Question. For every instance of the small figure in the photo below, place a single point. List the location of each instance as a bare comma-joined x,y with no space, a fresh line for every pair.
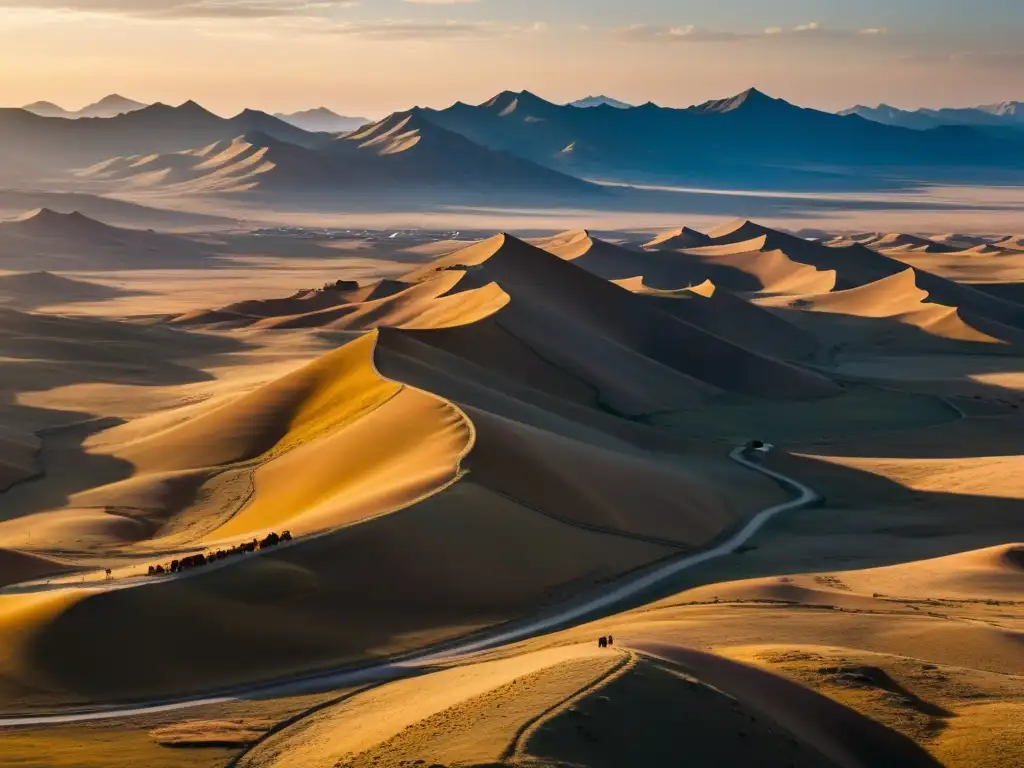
611,640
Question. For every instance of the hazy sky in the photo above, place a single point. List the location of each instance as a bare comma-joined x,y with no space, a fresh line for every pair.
374,56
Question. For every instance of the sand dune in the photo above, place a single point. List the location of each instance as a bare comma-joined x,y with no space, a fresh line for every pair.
43,352
1012,242
380,718
889,296
913,243
424,305
753,266
900,298
45,239
614,262
541,285
961,240
857,265
679,239
597,486
731,317
530,708
503,428
979,250
45,222
992,573
996,572
27,290
16,567
439,302
364,469
18,456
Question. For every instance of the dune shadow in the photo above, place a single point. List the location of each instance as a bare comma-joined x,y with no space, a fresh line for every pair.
66,467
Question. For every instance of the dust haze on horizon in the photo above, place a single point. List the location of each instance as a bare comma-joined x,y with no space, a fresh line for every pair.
358,58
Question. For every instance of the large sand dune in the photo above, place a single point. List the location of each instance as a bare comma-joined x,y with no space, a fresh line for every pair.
679,239
732,317
900,299
28,290
45,239
540,285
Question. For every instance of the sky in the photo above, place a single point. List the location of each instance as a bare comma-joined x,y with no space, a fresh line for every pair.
372,57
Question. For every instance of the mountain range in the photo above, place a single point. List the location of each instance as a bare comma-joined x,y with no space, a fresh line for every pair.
402,156
1005,114
109,106
600,101
509,144
750,139
322,120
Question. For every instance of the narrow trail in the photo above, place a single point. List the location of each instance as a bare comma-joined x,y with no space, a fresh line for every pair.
516,749
581,609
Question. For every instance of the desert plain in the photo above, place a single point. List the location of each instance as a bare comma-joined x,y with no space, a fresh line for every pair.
416,465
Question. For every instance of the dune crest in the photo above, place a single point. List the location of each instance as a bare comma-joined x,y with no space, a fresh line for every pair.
679,239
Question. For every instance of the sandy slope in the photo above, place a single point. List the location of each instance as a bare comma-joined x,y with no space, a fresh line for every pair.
900,299
679,239
731,317
544,287
755,265
398,717
575,705
18,452
31,290
1013,242
224,166
45,239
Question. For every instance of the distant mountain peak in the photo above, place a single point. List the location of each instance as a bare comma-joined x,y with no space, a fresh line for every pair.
600,101
322,119
751,98
116,99
1004,108
508,102
315,112
196,108
42,105
47,220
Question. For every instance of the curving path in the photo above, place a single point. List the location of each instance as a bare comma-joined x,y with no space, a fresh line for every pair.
584,608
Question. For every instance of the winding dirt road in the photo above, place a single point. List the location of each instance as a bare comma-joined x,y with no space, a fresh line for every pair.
584,608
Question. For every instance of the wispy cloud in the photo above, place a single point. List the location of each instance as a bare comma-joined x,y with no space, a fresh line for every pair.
400,29
411,30
691,33
190,9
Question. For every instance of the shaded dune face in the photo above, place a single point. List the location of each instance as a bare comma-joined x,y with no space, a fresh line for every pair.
45,239
537,282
